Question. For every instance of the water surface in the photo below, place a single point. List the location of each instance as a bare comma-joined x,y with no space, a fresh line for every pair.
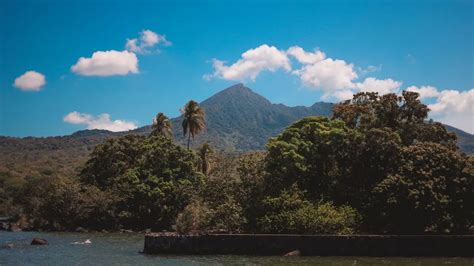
124,249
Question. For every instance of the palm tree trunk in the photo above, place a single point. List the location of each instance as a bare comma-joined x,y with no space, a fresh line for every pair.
189,139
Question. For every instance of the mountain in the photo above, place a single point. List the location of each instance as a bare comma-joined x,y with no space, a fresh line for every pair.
465,140
237,119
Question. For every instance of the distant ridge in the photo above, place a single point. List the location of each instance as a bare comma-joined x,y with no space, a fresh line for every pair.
237,118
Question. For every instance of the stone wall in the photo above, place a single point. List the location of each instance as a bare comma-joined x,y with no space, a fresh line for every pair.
312,245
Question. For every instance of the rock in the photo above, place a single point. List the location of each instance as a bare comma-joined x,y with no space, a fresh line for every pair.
14,227
471,230
39,241
7,246
294,253
81,230
3,226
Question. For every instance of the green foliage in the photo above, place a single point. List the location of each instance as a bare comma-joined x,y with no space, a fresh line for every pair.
405,115
315,153
152,177
193,120
434,187
161,126
291,213
65,204
381,157
195,218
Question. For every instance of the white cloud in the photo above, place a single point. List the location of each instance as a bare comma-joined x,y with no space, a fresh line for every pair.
253,61
455,108
327,75
382,86
107,63
369,69
30,81
147,40
306,57
424,91
339,95
101,121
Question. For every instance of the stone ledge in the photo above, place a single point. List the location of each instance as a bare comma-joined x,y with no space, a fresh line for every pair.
312,245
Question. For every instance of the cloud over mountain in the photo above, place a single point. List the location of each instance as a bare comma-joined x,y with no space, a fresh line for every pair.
101,121
251,64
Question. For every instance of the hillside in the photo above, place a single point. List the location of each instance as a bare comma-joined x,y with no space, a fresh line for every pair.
237,119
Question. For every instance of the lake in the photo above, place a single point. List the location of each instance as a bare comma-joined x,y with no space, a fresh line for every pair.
124,249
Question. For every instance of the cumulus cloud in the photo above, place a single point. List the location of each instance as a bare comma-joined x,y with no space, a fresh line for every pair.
328,75
339,80
424,91
101,121
30,81
455,108
251,64
147,40
306,57
382,86
107,63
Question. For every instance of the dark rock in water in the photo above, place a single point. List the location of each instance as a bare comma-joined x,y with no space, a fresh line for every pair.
39,241
81,230
294,253
3,226
7,246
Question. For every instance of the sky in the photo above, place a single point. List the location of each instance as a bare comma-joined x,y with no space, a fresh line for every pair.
73,65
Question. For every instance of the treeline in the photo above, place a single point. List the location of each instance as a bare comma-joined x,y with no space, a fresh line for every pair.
376,166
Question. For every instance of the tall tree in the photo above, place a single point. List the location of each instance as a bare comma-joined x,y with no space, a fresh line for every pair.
193,122
161,126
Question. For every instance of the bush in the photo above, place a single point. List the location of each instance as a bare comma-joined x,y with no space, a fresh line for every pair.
195,218
290,213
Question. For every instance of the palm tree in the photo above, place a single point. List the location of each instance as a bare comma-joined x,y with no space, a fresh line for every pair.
161,126
204,152
193,122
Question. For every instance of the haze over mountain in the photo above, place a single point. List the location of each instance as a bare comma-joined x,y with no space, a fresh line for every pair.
237,119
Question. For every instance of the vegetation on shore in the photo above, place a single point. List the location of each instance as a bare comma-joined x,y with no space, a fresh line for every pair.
376,166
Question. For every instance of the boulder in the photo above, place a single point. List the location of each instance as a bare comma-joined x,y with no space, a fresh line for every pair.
7,246
14,227
39,241
3,226
294,253
81,230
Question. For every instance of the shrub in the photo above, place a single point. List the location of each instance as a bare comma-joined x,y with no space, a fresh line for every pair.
291,213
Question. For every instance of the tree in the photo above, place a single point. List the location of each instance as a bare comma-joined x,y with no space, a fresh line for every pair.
431,192
203,152
403,114
161,126
315,153
193,122
153,179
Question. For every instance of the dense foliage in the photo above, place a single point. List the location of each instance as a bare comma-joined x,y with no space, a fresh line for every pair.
379,155
377,166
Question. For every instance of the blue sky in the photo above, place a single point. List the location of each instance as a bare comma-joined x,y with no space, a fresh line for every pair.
338,48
